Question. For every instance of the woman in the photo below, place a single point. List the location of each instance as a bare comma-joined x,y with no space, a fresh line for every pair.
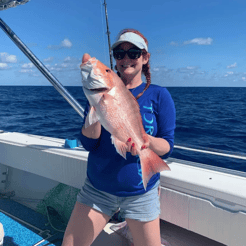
112,182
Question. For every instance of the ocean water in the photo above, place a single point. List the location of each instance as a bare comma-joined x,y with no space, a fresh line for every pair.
212,117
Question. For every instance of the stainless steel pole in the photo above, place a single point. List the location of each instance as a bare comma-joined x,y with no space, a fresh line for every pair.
40,66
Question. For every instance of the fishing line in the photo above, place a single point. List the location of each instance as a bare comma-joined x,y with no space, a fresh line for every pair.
105,56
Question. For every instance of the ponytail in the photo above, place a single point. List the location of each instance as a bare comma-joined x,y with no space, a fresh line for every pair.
147,74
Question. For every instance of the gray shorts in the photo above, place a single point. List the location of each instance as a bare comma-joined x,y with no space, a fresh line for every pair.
144,207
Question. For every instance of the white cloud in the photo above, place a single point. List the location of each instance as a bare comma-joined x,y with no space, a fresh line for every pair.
56,67
191,68
6,58
66,43
244,78
174,43
199,41
27,68
26,71
30,72
27,65
49,59
68,59
188,69
160,70
64,65
71,60
232,65
230,73
3,66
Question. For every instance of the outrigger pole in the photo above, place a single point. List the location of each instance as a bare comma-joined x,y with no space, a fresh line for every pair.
4,4
108,34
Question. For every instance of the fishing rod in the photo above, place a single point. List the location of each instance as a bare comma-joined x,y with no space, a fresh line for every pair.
5,4
108,34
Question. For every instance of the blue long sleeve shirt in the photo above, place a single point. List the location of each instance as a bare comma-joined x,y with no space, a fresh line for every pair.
110,172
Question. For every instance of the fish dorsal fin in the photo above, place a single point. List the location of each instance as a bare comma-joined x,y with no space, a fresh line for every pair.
91,117
120,146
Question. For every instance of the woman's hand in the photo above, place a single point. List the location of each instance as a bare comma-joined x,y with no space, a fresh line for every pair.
159,145
131,147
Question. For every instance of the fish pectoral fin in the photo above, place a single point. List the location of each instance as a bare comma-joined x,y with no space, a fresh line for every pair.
91,117
121,147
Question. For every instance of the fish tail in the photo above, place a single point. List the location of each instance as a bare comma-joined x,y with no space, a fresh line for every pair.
151,164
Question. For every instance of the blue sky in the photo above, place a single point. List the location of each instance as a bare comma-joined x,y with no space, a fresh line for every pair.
192,43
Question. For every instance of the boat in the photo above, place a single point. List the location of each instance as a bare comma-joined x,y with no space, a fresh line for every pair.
200,204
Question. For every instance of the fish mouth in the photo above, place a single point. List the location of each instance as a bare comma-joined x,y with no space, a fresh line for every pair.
98,89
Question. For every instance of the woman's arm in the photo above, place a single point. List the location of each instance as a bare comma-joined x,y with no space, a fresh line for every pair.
93,131
162,143
90,136
159,145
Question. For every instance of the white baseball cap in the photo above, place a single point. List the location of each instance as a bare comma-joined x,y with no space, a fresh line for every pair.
132,38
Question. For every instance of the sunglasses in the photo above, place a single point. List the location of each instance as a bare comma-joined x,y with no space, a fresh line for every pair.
132,53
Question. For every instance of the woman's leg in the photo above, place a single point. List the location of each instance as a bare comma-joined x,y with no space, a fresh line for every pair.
145,233
84,226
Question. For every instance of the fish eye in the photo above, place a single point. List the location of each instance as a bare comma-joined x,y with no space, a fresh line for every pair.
108,70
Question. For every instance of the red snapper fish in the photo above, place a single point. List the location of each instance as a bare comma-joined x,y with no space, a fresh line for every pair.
114,106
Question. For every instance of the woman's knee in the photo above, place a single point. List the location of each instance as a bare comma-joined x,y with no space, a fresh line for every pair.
145,233
84,225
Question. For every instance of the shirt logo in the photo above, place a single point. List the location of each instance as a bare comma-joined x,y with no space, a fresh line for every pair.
148,120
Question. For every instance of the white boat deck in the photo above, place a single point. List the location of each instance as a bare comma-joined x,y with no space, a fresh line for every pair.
174,235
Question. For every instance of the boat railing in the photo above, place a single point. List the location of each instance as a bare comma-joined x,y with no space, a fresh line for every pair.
210,151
